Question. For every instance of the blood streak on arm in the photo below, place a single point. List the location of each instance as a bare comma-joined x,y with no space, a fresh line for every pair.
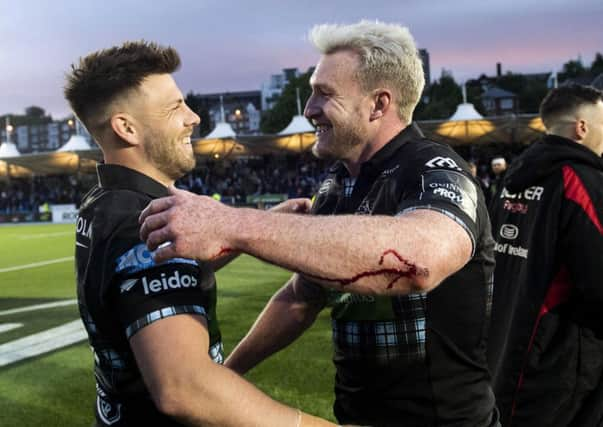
406,269
223,251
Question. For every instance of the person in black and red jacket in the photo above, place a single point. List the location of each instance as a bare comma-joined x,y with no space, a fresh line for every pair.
546,341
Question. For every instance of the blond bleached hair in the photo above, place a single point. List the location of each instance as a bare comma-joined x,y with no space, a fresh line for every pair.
388,57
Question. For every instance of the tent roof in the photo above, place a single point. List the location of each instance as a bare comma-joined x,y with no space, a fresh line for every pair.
13,170
219,148
465,111
57,163
75,143
496,92
222,130
598,82
298,124
8,149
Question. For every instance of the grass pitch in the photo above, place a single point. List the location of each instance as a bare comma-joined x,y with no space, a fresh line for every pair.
57,389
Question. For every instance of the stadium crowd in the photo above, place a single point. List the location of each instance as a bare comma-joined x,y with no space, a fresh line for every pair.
233,179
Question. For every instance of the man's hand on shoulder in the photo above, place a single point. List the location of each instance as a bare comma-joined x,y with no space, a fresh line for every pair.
186,225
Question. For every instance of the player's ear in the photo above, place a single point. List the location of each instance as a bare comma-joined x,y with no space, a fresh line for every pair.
126,128
382,102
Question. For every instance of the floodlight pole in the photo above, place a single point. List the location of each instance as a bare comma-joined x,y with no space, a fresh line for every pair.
222,115
298,101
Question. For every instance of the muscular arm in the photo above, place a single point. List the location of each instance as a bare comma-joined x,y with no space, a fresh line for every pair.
287,315
298,205
186,385
383,255
362,254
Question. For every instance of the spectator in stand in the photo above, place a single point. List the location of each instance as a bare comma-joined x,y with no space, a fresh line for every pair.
499,168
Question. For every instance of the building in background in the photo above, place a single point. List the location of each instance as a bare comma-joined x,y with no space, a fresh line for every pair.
35,137
498,102
241,109
424,54
273,88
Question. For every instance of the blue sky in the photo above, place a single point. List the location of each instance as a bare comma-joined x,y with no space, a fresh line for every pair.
236,45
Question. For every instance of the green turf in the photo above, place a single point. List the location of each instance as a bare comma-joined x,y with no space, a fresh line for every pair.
57,389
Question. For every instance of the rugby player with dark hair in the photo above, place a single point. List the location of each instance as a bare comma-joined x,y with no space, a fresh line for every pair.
152,326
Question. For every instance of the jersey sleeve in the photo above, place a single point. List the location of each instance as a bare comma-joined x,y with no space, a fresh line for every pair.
142,292
441,185
147,292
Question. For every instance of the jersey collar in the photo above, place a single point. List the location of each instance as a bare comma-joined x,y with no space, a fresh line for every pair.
410,132
375,164
116,177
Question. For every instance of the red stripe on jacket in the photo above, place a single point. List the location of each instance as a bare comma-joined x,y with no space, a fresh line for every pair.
575,191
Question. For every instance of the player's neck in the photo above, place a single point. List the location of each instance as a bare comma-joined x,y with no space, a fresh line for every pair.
143,167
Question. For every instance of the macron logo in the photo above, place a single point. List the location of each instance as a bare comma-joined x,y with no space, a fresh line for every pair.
175,281
442,162
127,285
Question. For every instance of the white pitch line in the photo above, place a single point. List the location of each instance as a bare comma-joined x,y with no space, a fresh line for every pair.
38,307
43,342
35,264
5,327
43,235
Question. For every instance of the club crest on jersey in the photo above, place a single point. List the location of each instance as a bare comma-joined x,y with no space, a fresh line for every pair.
108,412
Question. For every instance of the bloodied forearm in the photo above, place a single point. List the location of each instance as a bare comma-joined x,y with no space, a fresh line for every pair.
383,255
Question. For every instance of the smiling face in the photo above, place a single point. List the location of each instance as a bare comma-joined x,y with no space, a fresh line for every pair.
338,107
167,126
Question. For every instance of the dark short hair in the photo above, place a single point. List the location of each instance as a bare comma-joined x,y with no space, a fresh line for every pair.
101,77
565,100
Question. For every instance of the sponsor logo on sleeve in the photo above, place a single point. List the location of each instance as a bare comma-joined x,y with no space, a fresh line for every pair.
450,186
166,282
442,162
140,258
453,195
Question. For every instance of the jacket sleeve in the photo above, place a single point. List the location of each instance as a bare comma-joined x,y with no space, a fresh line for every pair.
581,240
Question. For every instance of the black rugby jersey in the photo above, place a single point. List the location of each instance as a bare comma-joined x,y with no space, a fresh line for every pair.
121,290
419,359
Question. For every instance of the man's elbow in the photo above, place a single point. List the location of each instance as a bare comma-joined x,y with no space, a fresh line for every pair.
436,272
175,402
168,401
424,284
